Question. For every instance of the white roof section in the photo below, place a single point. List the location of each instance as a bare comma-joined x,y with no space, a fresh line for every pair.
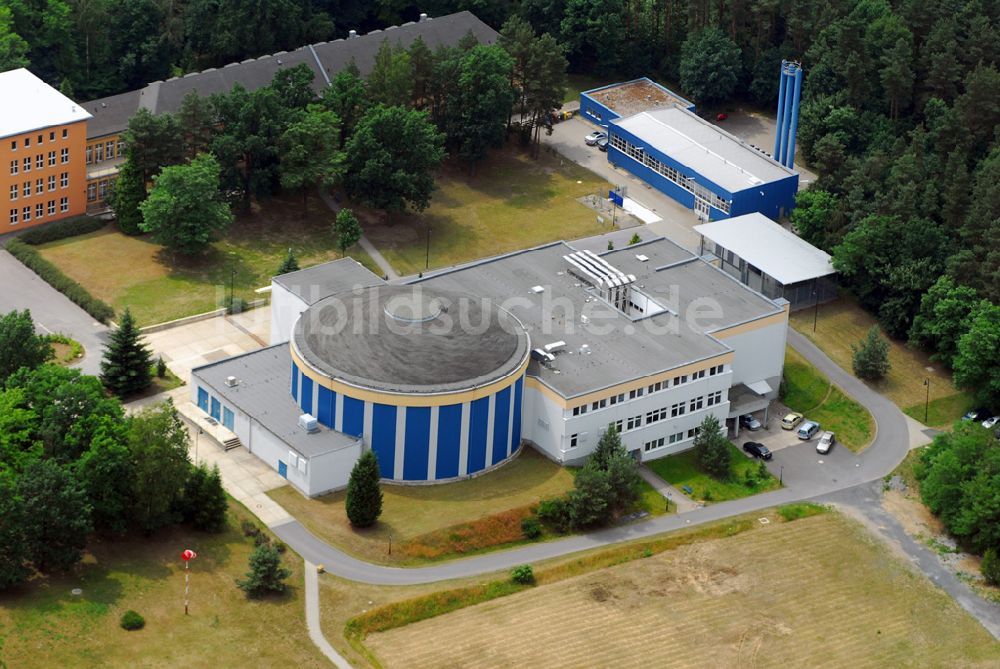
769,247
707,149
33,104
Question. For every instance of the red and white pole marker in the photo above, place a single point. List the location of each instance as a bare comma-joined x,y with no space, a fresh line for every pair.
187,555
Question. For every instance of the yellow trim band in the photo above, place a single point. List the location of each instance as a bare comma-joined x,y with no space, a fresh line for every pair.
773,319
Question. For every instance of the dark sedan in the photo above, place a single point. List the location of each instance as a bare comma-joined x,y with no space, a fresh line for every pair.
757,450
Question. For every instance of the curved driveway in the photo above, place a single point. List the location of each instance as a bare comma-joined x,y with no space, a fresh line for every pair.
805,475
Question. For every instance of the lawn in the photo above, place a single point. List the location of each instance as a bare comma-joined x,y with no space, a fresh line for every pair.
422,519
135,272
44,625
843,322
512,202
837,597
809,392
682,470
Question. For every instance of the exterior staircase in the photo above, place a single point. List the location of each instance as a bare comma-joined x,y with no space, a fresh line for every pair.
230,444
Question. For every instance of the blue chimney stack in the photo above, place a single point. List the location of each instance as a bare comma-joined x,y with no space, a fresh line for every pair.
789,92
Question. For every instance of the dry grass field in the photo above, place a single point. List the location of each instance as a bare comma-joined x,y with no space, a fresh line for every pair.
819,592
843,322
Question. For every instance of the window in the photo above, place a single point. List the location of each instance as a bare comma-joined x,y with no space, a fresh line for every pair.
64,156
678,380
26,189
633,422
109,150
653,445
574,440
638,392
657,387
677,436
656,415
40,210
697,403
13,145
102,189
89,154
580,410
27,141
52,182
39,139
600,404
712,371
39,185
26,214
618,426
615,399
26,164
693,432
65,133
91,192
64,204
98,153
52,207
677,410
64,180
121,147
13,216
13,166
52,136
714,398
40,161
52,158
700,374
13,191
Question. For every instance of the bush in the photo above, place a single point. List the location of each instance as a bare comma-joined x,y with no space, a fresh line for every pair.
555,514
990,566
261,539
234,304
870,357
523,574
531,527
53,276
205,502
132,621
635,239
249,528
62,229
161,367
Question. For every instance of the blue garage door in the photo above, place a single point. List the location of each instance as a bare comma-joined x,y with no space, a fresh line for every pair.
203,399
216,411
227,418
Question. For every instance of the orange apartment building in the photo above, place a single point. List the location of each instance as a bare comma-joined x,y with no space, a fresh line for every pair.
43,173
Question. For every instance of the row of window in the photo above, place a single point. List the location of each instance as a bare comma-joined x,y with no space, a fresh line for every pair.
27,140
41,211
24,165
98,190
671,439
650,389
102,151
671,174
25,189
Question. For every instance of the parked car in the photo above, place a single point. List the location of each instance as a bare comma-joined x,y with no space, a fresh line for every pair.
808,430
979,414
602,143
826,442
791,420
749,422
991,421
592,138
721,116
757,450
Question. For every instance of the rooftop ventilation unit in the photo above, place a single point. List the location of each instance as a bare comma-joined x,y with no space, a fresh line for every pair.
541,355
613,284
537,289
308,423
232,381
555,346
641,258
352,34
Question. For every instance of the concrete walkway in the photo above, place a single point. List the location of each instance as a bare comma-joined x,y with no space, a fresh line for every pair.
680,500
364,242
312,619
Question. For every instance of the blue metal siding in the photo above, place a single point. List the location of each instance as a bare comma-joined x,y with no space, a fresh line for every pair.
501,418
326,409
590,109
515,438
417,443
307,394
478,422
449,440
354,417
228,419
778,198
383,435
654,179
216,410
295,381
202,399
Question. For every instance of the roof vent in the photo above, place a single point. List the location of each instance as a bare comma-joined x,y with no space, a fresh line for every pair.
555,346
537,289
541,355
641,258
308,423
232,381
351,34
423,17
103,105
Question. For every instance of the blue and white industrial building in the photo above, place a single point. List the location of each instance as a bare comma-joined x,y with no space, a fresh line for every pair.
660,139
449,375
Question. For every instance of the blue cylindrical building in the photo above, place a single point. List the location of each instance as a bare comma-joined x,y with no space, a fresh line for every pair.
432,381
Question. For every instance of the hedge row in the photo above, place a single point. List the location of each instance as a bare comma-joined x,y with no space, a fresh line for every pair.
55,278
62,229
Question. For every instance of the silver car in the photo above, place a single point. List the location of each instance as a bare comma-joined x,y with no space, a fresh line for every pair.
808,430
826,442
592,138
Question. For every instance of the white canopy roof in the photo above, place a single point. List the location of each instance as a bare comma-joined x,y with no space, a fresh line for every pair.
769,247
32,104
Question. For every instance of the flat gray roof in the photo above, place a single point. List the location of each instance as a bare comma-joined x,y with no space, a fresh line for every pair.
610,347
707,149
769,247
264,393
312,284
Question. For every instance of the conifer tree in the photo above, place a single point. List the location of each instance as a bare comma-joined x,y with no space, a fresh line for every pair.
125,368
289,264
364,496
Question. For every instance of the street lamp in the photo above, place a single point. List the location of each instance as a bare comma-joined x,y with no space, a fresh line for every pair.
927,397
815,304
781,474
232,278
427,258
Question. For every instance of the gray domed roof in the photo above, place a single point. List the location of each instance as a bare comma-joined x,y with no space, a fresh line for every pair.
410,338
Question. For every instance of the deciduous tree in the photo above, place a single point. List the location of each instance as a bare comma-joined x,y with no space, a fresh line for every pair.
346,230
713,449
310,152
977,361
390,82
20,345
56,515
710,66
158,443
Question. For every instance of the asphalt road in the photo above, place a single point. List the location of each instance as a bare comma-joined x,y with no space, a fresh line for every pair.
51,310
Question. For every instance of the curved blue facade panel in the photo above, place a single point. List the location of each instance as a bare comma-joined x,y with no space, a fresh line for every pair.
354,417
326,406
416,443
306,398
501,426
383,437
449,441
478,422
515,437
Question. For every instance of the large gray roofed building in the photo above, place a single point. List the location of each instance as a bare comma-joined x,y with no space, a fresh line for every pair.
326,59
315,283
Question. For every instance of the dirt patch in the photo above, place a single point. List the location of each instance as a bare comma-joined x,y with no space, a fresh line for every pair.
915,518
